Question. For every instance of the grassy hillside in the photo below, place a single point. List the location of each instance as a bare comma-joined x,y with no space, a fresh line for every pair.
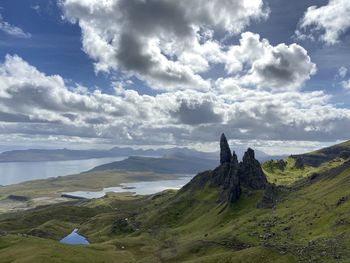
165,227
309,223
288,171
319,157
297,167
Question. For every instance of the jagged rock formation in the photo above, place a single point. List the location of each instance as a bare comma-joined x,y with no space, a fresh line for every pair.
250,172
225,152
230,175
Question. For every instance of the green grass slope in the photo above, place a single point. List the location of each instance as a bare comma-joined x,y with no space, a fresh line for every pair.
287,172
310,223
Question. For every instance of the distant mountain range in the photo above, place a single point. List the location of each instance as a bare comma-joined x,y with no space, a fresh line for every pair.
42,155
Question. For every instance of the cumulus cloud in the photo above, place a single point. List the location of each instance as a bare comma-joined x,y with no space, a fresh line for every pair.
289,115
12,30
170,45
326,23
35,104
163,42
25,90
280,67
178,48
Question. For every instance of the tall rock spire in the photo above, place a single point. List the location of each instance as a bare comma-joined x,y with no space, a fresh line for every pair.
225,152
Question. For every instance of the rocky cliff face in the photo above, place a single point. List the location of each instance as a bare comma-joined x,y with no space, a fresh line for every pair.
231,175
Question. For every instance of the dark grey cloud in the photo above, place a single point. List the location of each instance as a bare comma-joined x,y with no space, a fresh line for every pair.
278,71
150,16
70,116
196,113
130,55
133,57
96,120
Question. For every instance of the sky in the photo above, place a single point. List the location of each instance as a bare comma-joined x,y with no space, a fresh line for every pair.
270,74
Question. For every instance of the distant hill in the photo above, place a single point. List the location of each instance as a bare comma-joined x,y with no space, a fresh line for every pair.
41,155
316,158
174,164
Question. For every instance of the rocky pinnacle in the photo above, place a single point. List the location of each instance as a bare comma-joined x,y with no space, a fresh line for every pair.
225,152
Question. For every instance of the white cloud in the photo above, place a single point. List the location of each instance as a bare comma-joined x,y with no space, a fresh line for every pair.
36,105
12,30
170,45
163,42
326,23
263,65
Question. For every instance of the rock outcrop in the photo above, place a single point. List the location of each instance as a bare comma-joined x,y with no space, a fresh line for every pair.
229,180
230,175
270,197
225,152
250,172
